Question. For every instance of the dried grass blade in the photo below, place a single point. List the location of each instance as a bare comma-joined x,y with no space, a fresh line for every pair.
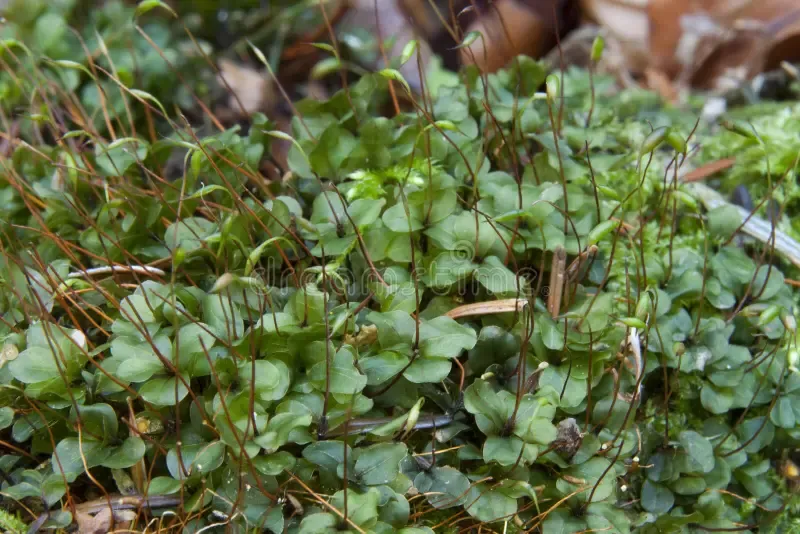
754,226
488,308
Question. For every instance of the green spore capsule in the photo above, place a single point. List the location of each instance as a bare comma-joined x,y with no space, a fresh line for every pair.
653,141
598,45
601,231
676,141
552,87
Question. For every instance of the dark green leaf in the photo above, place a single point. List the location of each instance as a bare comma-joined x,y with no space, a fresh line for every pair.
379,464
445,487
699,450
344,377
656,498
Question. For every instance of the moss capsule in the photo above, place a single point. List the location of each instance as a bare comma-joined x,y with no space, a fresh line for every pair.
770,314
676,141
598,45
653,141
686,199
740,128
645,306
601,231
633,322
552,85
178,257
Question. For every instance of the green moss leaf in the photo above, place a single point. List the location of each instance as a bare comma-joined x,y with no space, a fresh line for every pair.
379,464
343,376
656,498
126,455
327,454
445,487
72,456
98,420
699,450
164,391
497,278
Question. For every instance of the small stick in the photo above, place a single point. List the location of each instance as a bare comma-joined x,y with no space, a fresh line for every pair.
488,308
110,269
138,471
576,265
635,359
362,426
557,276
752,225
574,270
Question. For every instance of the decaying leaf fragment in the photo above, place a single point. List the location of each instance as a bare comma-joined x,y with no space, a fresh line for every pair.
367,335
8,352
568,439
708,169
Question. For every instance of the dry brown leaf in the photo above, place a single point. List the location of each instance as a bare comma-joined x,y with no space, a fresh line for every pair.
783,31
664,32
510,29
424,17
708,44
97,524
724,61
785,48
104,520
725,42
704,171
250,90
626,21
659,82
507,27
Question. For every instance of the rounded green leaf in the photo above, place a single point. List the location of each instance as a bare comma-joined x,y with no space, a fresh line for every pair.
163,486
6,417
343,376
699,449
445,487
379,464
131,451
656,498
164,391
